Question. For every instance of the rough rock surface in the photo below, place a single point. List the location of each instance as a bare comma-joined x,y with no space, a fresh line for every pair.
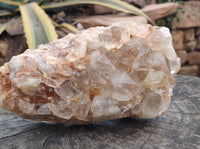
191,45
156,11
198,43
98,9
192,70
194,57
15,27
177,37
190,17
107,20
189,35
197,32
183,56
98,74
140,3
3,47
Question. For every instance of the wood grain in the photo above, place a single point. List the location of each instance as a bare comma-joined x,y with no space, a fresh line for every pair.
178,128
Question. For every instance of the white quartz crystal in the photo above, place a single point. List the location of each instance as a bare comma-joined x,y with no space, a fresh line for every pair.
102,73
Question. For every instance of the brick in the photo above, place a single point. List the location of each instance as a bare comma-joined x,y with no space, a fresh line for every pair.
156,11
106,20
194,58
191,45
190,17
183,55
98,9
177,39
3,47
15,27
140,3
198,43
197,32
192,70
1,61
189,35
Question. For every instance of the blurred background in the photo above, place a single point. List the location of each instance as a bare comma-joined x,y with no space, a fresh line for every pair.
28,23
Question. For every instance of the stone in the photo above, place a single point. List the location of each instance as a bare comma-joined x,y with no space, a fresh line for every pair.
156,11
191,45
197,33
189,35
16,45
190,17
191,70
177,37
194,57
3,47
106,20
141,3
183,56
198,43
61,14
102,73
15,27
1,61
58,16
98,9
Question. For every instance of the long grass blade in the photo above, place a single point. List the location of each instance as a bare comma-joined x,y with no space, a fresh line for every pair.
114,4
66,25
38,27
13,5
69,27
4,13
16,3
2,27
9,5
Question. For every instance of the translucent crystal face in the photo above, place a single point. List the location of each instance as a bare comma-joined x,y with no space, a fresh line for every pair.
98,74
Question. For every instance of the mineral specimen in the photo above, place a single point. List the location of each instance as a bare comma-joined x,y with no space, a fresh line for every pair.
102,73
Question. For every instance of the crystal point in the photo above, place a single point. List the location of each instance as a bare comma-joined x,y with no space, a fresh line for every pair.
102,73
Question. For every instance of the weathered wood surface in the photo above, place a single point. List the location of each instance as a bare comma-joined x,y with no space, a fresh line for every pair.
178,128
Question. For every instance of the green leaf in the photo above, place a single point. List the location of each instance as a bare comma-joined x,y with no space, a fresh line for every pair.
69,27
12,5
173,28
178,19
2,27
66,25
9,5
114,4
38,27
182,3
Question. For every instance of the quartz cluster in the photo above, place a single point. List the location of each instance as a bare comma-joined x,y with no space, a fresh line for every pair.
102,73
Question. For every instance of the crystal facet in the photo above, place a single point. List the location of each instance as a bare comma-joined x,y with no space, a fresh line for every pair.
102,73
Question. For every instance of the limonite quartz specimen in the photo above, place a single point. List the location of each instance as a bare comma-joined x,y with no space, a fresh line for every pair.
102,73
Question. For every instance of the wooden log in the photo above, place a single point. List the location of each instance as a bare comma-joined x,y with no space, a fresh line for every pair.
178,128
